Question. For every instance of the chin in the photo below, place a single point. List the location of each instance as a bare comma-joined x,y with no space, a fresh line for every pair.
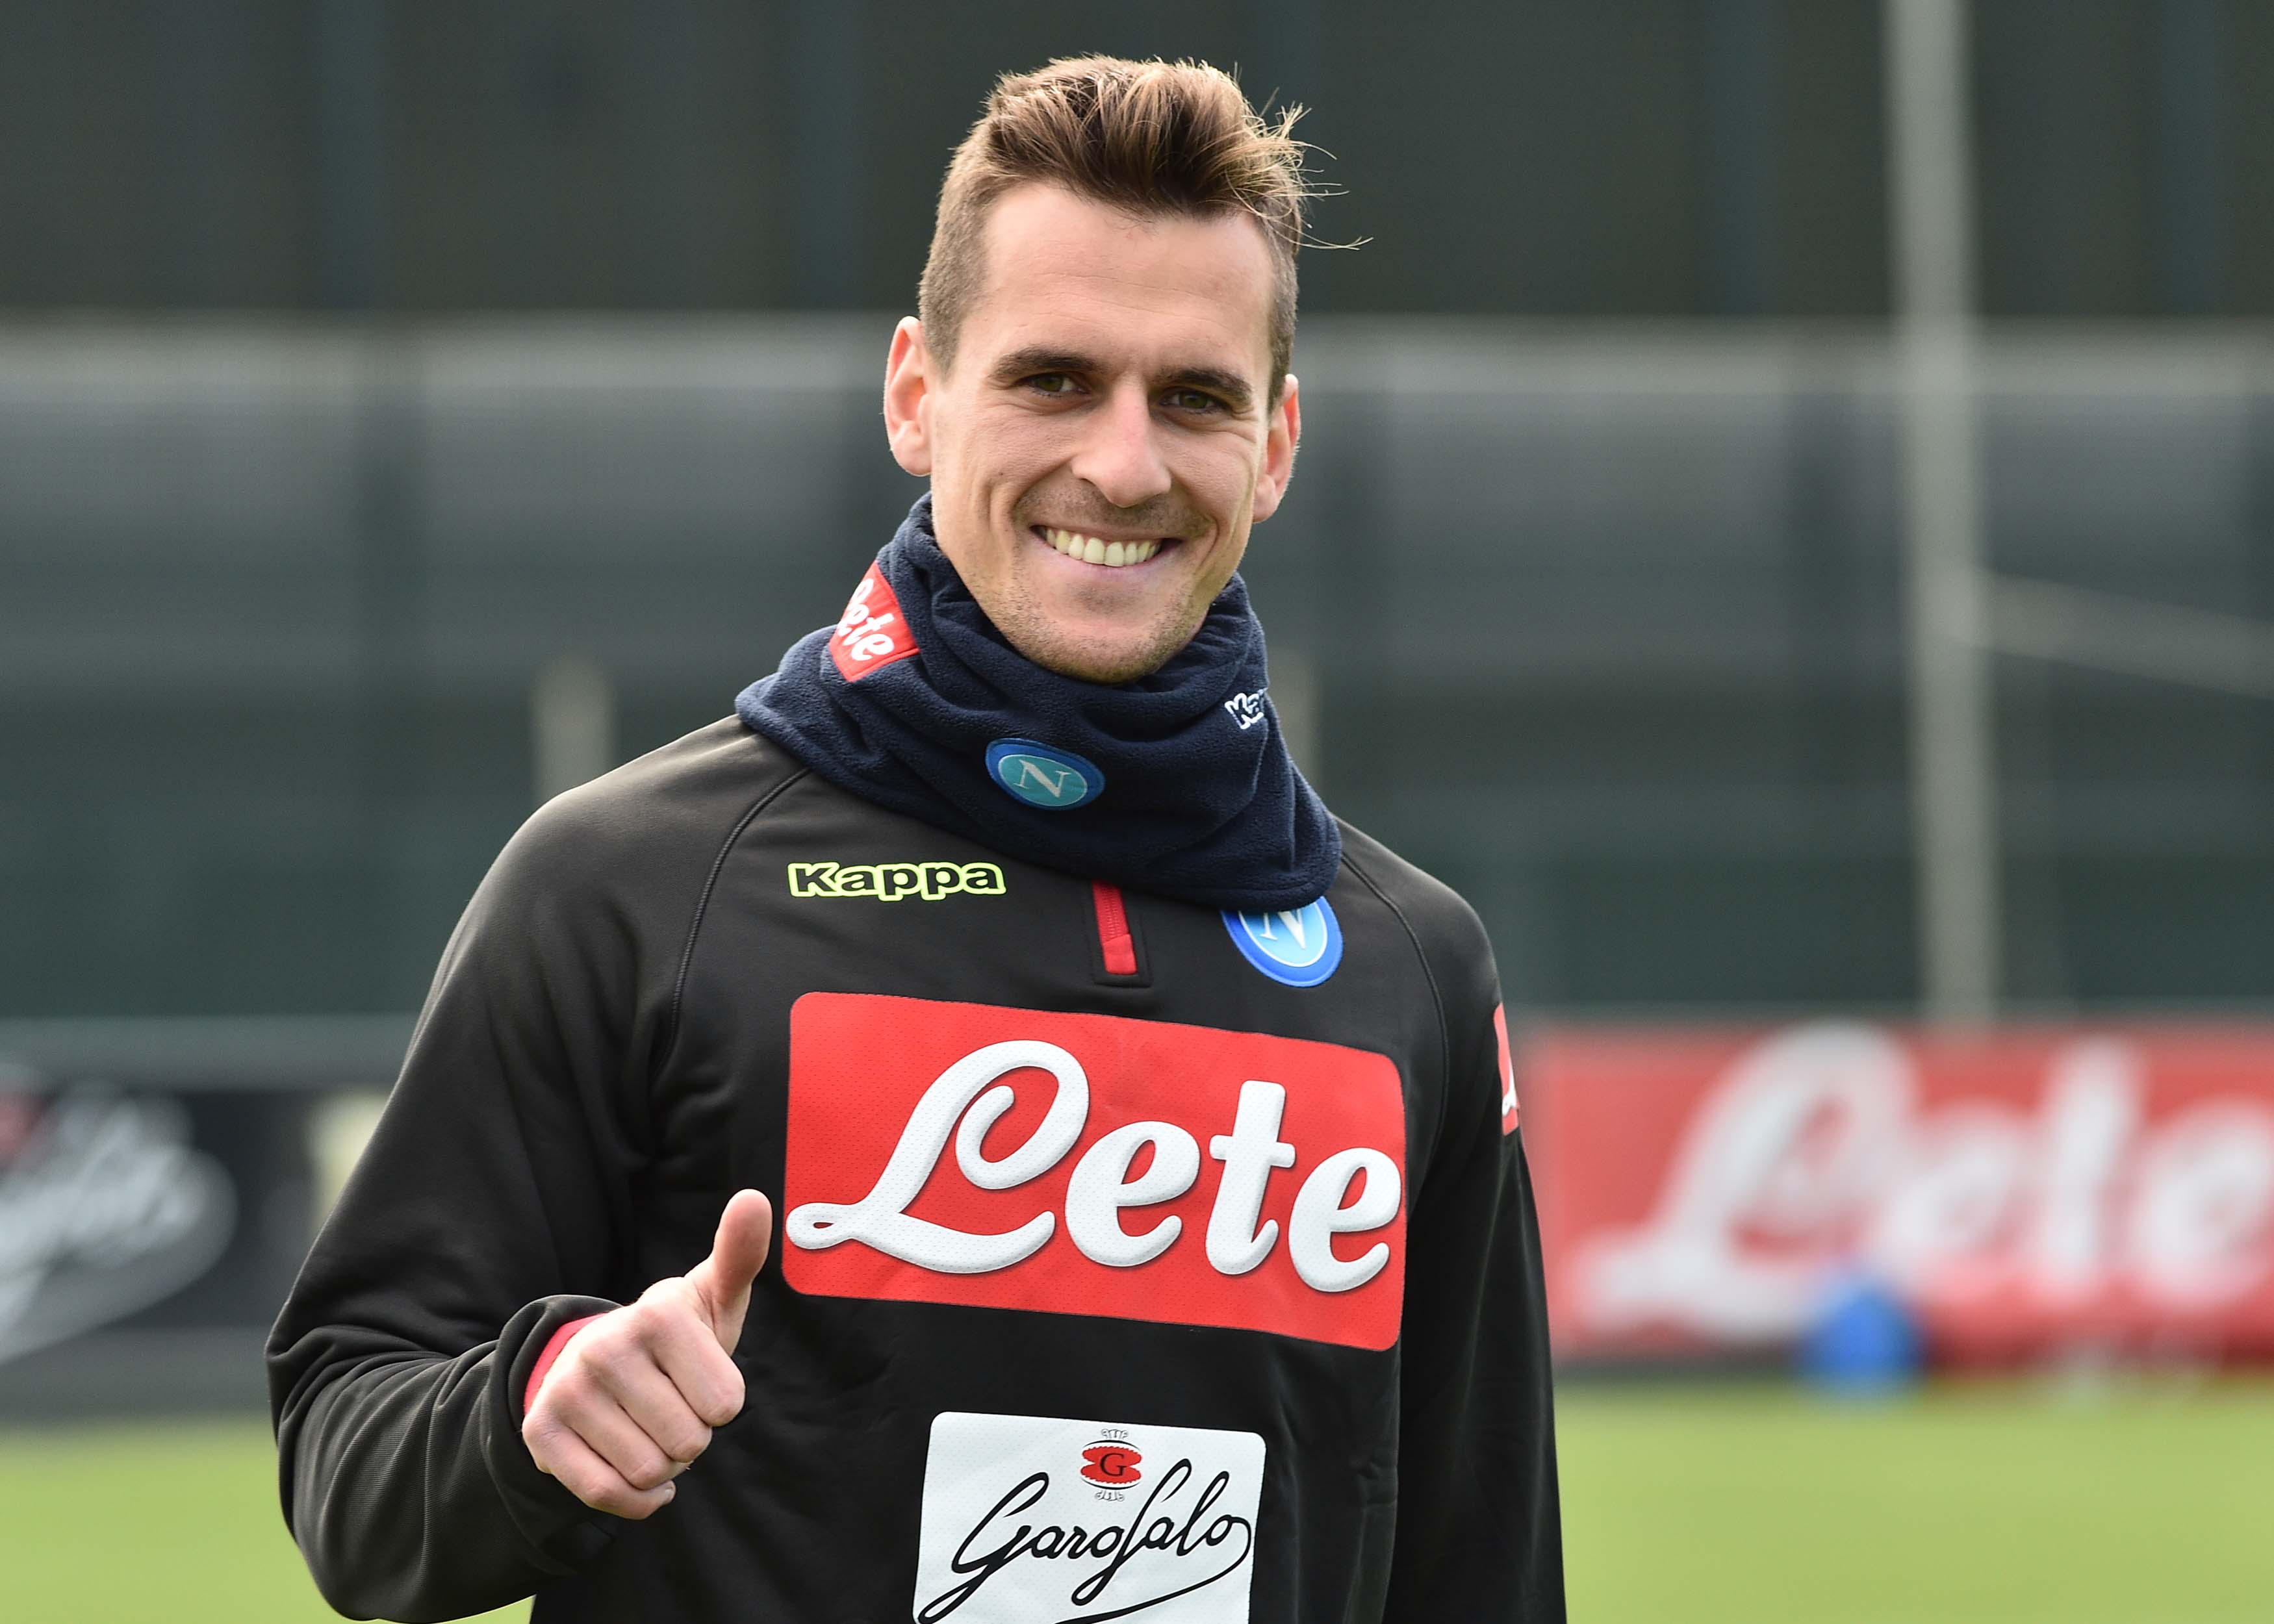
1122,655
1090,664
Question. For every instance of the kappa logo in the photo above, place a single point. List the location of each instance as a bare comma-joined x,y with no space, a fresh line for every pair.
891,882
1247,709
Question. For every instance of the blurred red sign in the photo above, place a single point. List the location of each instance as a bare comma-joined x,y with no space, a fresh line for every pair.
2024,1189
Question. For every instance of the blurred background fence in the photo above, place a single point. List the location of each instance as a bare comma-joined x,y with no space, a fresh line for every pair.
1605,627
1615,159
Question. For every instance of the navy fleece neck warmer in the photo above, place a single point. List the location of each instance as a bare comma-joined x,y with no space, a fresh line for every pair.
1177,783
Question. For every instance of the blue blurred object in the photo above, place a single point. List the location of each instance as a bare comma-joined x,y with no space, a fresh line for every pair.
1865,1339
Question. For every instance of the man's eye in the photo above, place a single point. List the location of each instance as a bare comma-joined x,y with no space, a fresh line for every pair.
1050,383
1193,400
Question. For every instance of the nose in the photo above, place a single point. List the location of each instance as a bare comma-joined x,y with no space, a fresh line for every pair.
1119,455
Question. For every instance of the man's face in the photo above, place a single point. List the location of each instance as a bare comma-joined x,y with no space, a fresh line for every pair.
1106,438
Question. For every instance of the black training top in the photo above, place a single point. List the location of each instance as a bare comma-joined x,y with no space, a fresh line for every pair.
1131,1261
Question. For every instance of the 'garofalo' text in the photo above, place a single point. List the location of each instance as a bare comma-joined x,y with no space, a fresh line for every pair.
1175,1544
1034,1517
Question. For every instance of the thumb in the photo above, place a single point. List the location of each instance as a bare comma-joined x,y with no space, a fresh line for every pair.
746,1233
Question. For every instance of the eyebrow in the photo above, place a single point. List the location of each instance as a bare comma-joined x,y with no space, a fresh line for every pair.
1236,390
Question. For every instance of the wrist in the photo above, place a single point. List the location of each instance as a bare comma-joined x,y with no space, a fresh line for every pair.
554,1346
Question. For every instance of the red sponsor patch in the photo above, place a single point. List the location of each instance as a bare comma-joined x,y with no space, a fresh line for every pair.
1111,1466
1094,1164
1507,1071
872,632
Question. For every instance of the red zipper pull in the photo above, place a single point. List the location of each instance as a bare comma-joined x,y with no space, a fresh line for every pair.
1113,930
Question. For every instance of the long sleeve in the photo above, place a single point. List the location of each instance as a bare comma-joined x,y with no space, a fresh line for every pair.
496,1192
1478,1527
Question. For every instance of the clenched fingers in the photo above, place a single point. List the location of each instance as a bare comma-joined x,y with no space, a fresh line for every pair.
652,1403
668,1322
624,1443
581,1469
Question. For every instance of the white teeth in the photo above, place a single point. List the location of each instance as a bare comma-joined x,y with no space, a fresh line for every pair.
1090,550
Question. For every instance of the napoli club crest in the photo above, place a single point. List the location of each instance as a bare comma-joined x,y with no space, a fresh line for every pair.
1296,947
1040,776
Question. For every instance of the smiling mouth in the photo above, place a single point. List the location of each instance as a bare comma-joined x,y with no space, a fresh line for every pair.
1092,549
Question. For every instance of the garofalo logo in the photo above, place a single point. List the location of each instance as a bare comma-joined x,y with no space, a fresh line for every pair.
1021,1525
893,881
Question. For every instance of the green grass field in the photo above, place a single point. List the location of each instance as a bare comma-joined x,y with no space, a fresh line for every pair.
1975,1504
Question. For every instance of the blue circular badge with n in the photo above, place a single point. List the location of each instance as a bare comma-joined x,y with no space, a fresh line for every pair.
1055,781
1296,947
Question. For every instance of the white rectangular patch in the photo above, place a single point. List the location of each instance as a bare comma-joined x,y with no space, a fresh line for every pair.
1029,1519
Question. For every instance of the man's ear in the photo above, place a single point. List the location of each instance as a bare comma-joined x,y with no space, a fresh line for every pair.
1283,430
908,397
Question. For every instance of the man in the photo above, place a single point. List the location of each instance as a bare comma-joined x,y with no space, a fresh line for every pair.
1157,1242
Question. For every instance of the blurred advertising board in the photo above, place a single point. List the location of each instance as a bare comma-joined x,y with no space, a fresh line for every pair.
107,1206
159,1182
2023,1190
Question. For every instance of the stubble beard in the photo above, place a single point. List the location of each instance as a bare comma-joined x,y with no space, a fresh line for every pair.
1030,629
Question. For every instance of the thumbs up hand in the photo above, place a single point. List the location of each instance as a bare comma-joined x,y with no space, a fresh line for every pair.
722,1281
633,1397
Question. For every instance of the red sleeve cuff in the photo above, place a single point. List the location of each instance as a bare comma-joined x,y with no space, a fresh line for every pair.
554,1344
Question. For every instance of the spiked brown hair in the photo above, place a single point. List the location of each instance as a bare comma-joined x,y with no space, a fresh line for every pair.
1151,138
